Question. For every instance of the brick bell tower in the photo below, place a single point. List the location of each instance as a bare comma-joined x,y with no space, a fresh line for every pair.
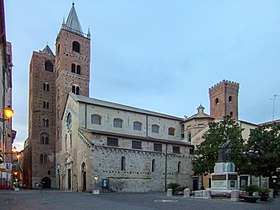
224,99
72,66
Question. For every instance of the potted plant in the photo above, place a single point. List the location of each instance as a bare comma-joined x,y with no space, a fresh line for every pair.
250,189
264,192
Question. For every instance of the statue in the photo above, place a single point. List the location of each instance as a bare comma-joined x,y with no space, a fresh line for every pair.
224,151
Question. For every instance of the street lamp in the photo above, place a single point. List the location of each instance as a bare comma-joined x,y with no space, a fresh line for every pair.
8,112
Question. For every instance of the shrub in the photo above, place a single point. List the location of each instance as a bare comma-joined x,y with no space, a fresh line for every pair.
251,188
173,186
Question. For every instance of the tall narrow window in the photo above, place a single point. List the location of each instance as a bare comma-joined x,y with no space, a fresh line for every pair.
45,123
229,98
153,165
73,68
171,131
96,119
216,101
155,128
123,164
46,86
76,46
45,104
179,167
137,126
43,159
78,69
189,136
118,123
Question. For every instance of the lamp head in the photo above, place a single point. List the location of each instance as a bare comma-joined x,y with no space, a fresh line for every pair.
8,112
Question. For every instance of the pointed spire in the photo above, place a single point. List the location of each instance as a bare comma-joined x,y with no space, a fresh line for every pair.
47,50
72,21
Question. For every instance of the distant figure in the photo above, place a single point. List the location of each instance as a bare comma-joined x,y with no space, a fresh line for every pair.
41,186
224,151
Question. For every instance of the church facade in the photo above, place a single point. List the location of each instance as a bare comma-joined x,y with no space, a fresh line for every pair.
131,149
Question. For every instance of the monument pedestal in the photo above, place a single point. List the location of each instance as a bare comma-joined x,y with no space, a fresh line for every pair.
224,177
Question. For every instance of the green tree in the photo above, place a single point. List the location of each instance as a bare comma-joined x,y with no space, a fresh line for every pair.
206,154
262,151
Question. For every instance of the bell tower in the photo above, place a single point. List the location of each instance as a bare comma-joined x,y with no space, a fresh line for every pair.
224,99
72,65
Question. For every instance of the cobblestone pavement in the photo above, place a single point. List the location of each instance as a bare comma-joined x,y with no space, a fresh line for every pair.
58,200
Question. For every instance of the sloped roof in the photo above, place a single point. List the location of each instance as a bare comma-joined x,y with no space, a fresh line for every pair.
47,50
73,22
108,104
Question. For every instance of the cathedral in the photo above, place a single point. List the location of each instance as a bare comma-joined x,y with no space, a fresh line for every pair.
78,143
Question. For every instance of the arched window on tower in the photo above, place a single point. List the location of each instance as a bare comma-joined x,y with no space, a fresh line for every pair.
73,68
46,86
43,159
76,89
48,66
216,101
78,69
76,46
229,98
45,123
44,139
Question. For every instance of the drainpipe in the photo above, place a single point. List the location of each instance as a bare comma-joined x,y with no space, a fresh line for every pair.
165,174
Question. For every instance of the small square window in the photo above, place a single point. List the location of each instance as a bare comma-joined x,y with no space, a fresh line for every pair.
176,149
137,144
112,141
157,147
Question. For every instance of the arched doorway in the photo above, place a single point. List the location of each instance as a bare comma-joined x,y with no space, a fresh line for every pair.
46,182
84,177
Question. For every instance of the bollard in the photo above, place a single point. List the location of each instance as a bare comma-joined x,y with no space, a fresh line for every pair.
169,192
187,192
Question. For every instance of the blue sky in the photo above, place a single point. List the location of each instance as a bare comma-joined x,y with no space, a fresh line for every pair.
160,55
